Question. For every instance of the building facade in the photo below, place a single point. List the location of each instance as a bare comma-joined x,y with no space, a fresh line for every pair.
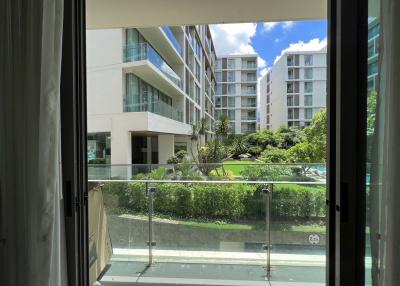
294,89
146,87
373,54
236,91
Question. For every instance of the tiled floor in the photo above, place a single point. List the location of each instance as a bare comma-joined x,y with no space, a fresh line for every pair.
137,273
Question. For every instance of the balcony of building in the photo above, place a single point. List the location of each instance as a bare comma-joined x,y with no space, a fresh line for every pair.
157,107
144,61
188,224
166,40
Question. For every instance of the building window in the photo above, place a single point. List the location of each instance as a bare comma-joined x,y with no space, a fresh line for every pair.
290,100
231,89
373,68
231,76
218,101
231,114
293,113
308,73
218,76
218,64
218,89
249,89
231,63
308,100
290,73
289,61
308,113
308,60
308,87
231,102
197,94
99,148
293,100
198,49
290,87
251,77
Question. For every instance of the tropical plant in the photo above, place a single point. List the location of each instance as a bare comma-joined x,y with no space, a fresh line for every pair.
274,155
238,146
222,128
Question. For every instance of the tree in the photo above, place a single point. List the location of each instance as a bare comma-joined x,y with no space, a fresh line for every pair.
222,128
288,137
274,155
371,112
238,146
316,137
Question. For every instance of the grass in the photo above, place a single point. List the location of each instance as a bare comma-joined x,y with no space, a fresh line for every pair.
285,226
236,166
278,226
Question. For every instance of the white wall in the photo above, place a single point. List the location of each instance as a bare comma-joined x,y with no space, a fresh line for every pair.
104,76
165,148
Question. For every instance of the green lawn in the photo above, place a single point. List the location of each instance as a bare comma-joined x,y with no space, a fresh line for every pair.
236,166
284,226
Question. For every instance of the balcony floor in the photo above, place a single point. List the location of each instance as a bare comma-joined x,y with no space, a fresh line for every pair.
137,273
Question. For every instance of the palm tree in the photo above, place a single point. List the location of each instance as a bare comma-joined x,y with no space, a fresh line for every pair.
222,128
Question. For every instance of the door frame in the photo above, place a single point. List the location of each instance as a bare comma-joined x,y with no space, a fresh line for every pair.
346,102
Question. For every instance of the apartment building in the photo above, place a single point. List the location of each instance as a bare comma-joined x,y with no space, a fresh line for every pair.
145,89
236,91
373,53
294,89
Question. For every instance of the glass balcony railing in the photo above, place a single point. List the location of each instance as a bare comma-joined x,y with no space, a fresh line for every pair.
167,30
249,66
157,107
144,51
247,224
248,117
249,91
249,104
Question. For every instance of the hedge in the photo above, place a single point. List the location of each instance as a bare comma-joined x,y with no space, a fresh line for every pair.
227,201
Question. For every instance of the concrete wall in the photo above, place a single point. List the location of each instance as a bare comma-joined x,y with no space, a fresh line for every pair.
165,148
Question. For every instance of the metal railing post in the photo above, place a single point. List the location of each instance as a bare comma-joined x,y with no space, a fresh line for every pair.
268,198
150,193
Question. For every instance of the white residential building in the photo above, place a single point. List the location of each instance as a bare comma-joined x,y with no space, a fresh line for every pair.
294,89
236,91
145,88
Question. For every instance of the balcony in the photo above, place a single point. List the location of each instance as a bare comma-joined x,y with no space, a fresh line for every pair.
263,226
249,104
249,92
167,30
143,60
163,39
247,117
247,66
157,107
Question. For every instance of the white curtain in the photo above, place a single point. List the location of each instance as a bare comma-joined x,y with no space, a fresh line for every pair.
387,149
32,251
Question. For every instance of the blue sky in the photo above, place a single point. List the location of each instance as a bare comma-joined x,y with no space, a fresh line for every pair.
267,39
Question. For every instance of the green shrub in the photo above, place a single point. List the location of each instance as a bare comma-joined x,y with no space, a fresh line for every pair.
101,161
223,201
183,200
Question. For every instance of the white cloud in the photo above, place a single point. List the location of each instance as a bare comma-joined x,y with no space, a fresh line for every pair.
287,25
269,26
233,38
312,45
261,63
230,39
